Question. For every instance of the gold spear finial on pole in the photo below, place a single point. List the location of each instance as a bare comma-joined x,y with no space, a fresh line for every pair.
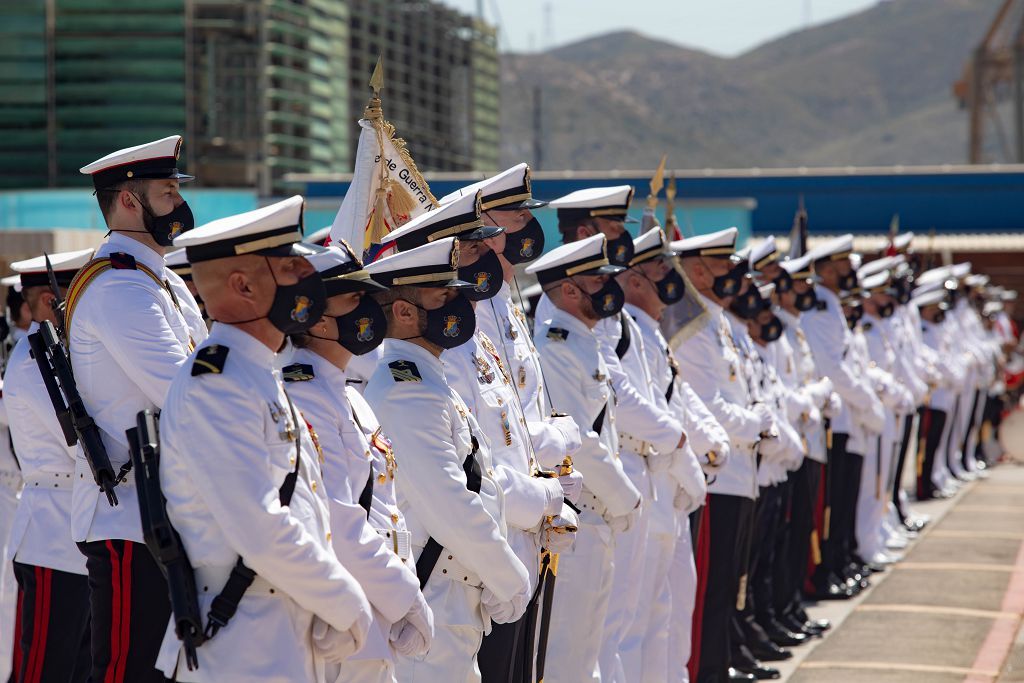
373,107
671,226
657,182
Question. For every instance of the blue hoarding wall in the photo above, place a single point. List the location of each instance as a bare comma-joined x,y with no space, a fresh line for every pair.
951,200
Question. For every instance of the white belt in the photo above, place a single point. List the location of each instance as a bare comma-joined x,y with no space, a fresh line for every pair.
451,568
50,481
589,502
211,581
400,542
638,446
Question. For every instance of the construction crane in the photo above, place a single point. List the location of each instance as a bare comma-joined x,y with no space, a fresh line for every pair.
994,74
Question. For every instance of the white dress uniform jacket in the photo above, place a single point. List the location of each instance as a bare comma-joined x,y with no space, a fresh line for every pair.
477,374
432,429
577,375
710,361
229,440
505,324
344,426
829,338
41,533
127,339
808,393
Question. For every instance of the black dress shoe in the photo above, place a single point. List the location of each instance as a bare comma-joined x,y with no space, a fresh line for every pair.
763,673
768,652
784,637
828,590
794,625
821,624
737,675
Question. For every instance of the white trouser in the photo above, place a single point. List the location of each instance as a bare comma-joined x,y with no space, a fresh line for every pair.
452,657
627,586
643,653
975,434
683,582
941,476
874,495
8,585
582,592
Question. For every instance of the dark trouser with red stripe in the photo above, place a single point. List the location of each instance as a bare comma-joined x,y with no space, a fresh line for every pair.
731,520
130,611
793,562
52,626
929,436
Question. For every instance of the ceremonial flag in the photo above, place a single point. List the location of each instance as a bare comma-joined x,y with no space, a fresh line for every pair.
387,189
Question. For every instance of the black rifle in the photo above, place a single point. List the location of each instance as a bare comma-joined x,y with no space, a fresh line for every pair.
67,404
162,540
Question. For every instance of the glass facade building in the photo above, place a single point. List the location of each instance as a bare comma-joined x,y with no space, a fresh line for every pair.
260,88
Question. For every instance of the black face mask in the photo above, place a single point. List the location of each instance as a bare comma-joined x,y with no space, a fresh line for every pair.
747,305
485,274
772,330
298,307
903,288
362,329
940,317
524,245
848,281
887,310
608,300
165,228
620,250
728,285
783,283
806,301
451,325
671,287
853,317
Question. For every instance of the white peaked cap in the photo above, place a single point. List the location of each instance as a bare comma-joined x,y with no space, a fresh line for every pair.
718,243
584,257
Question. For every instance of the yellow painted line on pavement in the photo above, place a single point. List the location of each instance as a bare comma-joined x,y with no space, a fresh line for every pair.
999,535
939,611
896,666
957,567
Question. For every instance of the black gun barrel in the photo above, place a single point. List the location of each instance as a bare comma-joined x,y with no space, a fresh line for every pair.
42,358
161,538
84,426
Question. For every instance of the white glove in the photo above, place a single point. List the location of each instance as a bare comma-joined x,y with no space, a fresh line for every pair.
833,406
502,611
572,486
721,451
412,634
560,531
621,523
661,462
764,413
684,502
570,432
336,646
772,450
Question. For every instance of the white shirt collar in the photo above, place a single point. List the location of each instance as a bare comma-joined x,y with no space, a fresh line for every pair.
142,253
243,343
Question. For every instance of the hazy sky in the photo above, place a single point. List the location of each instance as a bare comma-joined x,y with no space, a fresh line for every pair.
725,27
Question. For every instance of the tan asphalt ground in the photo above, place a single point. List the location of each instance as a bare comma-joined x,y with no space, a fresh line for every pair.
951,611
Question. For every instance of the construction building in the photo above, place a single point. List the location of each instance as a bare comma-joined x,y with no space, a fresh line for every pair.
260,88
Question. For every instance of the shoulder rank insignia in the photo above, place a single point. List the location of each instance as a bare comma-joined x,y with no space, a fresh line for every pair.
122,261
210,359
867,326
821,306
557,334
405,371
298,372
